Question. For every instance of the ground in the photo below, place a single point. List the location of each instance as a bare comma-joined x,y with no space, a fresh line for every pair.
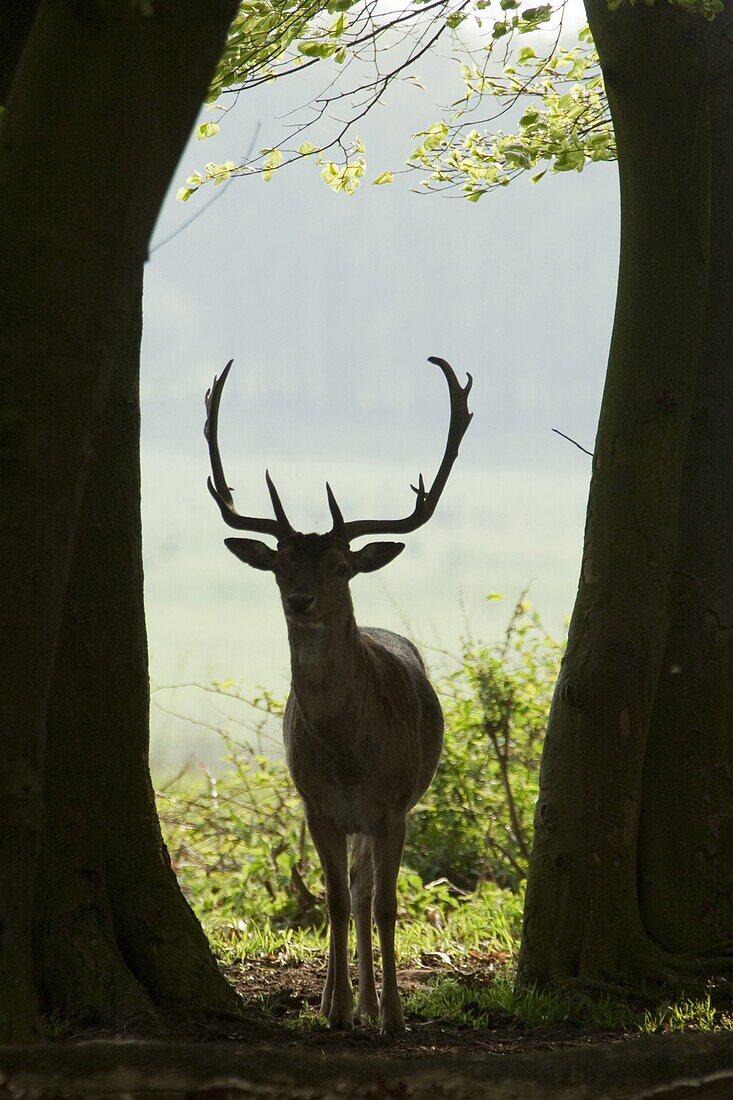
281,996
281,1050
286,995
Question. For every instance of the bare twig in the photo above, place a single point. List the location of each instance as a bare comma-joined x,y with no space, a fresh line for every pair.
573,441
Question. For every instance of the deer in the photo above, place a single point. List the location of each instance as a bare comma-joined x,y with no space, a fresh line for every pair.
363,726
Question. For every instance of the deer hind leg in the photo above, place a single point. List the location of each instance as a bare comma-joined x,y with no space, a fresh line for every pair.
362,883
337,1002
387,850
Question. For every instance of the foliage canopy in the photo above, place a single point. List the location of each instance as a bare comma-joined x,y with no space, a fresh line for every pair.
520,59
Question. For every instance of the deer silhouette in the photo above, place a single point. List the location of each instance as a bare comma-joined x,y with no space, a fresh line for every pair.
363,728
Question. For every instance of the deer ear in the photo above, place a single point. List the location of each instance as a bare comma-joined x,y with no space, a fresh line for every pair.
375,555
254,553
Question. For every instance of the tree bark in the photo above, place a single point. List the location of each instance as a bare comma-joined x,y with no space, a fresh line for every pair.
686,826
601,853
16,20
100,107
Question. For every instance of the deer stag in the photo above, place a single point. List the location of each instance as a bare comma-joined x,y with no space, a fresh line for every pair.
363,727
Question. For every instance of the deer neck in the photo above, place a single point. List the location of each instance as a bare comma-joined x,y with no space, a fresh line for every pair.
325,658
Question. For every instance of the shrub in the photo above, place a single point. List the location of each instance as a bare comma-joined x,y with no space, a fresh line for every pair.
475,822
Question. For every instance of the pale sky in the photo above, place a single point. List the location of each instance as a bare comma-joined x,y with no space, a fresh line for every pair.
330,306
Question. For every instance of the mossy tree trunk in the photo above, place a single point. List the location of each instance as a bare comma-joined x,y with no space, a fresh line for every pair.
102,101
631,876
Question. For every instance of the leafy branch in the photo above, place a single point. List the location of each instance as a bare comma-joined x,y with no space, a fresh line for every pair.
556,91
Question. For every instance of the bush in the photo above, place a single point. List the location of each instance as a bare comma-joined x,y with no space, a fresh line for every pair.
475,822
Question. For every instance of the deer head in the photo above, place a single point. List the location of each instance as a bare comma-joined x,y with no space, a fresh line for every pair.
313,571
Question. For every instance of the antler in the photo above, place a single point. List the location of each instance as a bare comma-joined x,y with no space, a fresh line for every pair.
427,500
220,491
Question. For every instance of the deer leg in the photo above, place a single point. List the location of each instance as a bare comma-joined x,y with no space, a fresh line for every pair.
328,986
362,880
387,849
338,1000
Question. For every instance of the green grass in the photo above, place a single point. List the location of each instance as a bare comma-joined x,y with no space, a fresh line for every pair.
468,1004
687,1015
477,946
486,923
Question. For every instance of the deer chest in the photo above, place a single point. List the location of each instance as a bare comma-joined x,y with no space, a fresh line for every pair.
353,792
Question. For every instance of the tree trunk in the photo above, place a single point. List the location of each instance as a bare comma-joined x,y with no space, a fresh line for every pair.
16,20
603,868
114,935
20,718
100,107
686,826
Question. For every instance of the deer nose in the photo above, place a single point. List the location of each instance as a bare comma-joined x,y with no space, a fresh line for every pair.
300,602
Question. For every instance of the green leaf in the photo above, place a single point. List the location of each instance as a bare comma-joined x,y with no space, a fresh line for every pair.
382,178
183,194
532,18
320,50
569,160
272,161
206,130
307,149
529,118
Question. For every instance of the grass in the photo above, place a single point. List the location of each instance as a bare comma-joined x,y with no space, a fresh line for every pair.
466,1004
687,1015
481,925
476,945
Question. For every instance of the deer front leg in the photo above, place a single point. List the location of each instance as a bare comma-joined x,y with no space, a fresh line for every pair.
338,1000
362,883
328,984
387,849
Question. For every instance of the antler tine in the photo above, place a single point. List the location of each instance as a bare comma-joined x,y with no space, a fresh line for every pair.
219,489
336,515
427,500
284,525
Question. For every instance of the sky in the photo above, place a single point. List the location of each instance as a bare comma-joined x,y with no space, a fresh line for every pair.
330,306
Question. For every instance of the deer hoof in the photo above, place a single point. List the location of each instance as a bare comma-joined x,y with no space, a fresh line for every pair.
391,1021
367,1012
393,1029
340,1021
340,1012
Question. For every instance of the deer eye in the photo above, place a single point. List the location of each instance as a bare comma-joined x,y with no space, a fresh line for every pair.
341,570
